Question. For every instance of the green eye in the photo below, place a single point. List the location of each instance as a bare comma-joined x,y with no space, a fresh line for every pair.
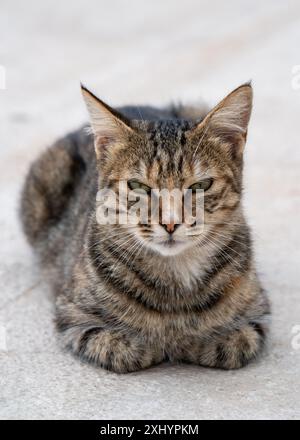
136,186
203,185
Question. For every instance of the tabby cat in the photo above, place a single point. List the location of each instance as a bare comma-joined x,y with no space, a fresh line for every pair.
132,296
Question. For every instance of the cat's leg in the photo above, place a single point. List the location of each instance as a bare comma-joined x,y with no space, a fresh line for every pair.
230,350
48,187
92,340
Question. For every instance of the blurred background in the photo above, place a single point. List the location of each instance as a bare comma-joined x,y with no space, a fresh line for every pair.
139,52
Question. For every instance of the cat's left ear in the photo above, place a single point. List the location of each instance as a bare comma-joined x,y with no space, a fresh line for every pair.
110,128
229,119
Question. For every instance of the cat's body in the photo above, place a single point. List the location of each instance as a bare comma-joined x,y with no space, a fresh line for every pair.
127,306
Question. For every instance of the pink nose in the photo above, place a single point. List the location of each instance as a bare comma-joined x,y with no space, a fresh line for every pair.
170,227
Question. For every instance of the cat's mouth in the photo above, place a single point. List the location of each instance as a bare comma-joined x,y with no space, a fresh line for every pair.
171,243
170,246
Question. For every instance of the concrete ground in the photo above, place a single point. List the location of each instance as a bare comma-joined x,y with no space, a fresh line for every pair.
149,52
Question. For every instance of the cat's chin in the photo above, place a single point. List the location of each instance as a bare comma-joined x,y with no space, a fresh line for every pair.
169,249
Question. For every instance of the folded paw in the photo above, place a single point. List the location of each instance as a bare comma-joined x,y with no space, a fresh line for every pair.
234,350
112,350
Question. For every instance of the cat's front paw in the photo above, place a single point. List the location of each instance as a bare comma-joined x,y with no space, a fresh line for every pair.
234,350
112,350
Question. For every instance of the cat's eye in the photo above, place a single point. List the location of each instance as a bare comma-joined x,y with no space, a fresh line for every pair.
203,185
135,185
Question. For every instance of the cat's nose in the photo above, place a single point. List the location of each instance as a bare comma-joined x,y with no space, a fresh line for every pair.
170,227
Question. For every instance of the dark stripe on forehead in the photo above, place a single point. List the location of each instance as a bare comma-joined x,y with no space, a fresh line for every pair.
180,163
166,137
168,132
182,139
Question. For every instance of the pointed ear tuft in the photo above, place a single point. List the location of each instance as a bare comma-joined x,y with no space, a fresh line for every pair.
109,127
233,113
229,119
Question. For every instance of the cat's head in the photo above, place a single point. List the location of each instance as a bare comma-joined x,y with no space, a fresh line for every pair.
205,155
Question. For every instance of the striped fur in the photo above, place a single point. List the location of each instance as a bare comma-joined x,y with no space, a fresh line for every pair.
121,302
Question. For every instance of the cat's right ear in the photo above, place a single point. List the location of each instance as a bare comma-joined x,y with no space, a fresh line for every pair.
110,128
229,120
